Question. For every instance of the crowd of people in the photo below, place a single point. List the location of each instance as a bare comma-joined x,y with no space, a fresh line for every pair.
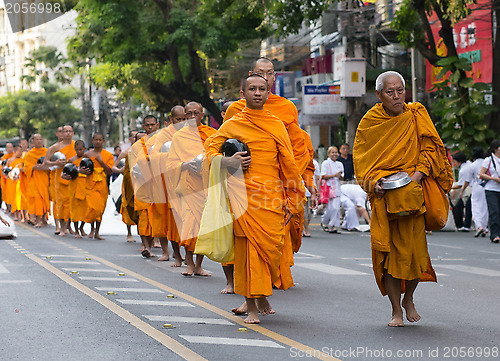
273,185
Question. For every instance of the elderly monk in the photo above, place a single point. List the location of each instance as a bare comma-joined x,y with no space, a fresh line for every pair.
67,147
286,111
97,187
78,207
9,153
185,183
165,226
37,182
142,182
129,215
260,227
396,137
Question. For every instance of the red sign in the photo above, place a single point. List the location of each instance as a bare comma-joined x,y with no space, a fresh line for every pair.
473,39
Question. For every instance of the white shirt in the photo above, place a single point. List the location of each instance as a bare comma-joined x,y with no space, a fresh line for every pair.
492,185
355,193
472,175
329,167
462,173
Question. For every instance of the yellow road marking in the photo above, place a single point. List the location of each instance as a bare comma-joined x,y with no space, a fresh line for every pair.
262,330
159,336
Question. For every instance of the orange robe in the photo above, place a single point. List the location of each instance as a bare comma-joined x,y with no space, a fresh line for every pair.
52,193
272,182
161,211
286,111
187,144
385,145
37,183
129,215
78,207
97,188
61,190
5,193
142,182
14,187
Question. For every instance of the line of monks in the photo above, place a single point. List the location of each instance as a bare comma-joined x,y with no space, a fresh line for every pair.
165,178
34,178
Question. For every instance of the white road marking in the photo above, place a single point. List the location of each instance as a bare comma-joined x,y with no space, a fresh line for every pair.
15,281
64,255
326,268
231,341
155,303
130,255
471,269
141,290
357,258
200,320
117,279
444,245
3,269
303,255
370,265
492,252
91,270
75,262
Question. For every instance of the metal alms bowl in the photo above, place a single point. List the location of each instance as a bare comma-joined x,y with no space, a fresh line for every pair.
165,147
121,163
396,180
199,162
57,156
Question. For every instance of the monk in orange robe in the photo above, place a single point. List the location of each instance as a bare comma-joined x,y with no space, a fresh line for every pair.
37,182
129,215
97,188
67,147
259,228
13,183
164,225
286,111
185,182
396,137
142,181
52,183
9,149
23,190
78,207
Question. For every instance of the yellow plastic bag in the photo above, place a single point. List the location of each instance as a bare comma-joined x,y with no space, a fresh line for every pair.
216,238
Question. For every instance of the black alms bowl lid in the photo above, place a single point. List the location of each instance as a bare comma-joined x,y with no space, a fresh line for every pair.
87,163
232,146
71,170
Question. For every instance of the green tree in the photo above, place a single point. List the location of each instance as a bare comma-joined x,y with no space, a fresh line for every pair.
460,105
157,51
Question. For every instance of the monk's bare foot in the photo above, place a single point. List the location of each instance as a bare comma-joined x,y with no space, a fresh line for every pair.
70,231
228,290
240,310
397,320
156,244
147,253
98,236
189,271
411,312
62,234
252,311
164,257
91,234
201,272
177,263
82,232
38,225
264,306
78,235
252,319
130,238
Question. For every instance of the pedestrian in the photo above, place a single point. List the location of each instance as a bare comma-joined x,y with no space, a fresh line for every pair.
346,159
490,172
397,137
259,229
185,179
78,204
61,190
479,207
359,198
97,188
332,171
461,202
38,182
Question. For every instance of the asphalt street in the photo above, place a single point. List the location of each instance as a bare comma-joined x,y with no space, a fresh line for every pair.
63,298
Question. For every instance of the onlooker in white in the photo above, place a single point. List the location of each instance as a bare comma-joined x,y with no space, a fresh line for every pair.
332,171
358,197
490,171
478,197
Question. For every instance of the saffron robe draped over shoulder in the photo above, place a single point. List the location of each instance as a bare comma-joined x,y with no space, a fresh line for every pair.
97,188
78,207
62,185
129,215
385,145
185,186
37,183
14,187
5,193
272,182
